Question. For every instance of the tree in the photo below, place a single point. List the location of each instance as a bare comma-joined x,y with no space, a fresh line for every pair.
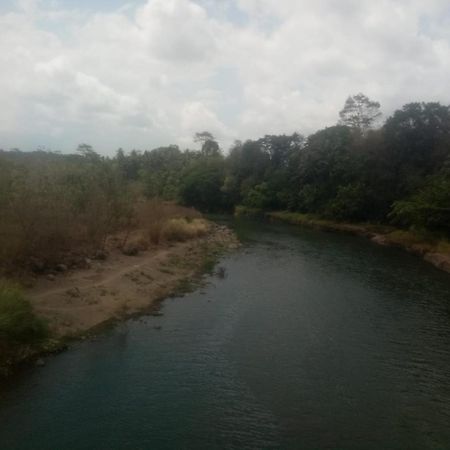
359,113
280,148
429,208
418,140
210,147
260,197
161,169
201,185
247,165
328,175
88,153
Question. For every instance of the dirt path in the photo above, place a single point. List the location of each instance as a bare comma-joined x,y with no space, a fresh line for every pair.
122,285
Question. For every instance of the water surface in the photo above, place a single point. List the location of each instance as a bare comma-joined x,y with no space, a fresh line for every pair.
313,340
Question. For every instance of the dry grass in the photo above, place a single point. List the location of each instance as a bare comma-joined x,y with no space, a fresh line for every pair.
183,230
419,242
51,209
166,221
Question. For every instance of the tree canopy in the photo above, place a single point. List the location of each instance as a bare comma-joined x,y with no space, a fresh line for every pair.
360,113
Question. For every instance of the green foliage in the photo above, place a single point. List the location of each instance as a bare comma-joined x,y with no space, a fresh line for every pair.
325,163
18,323
429,208
160,171
417,144
202,183
210,147
350,203
259,196
309,198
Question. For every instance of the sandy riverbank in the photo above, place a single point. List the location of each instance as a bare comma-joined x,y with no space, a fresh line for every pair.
120,286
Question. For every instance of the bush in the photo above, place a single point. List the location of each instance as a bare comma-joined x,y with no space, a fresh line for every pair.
350,203
153,216
18,323
259,197
182,230
429,208
52,204
202,184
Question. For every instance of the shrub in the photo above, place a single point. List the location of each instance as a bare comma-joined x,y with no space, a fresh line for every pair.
429,208
18,323
259,197
182,230
153,216
52,204
350,203
202,185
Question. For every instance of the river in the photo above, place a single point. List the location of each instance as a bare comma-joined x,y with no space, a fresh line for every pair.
312,340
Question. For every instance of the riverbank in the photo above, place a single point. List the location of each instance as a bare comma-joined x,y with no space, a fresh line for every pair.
432,250
77,303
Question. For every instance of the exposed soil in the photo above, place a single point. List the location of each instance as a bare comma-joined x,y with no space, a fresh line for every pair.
119,286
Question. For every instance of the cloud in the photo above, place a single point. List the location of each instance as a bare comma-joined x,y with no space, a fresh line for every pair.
156,72
177,30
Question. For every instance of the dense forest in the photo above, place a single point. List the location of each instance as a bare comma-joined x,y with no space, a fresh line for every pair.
360,170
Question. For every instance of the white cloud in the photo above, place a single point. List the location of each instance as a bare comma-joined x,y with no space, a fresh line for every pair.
157,73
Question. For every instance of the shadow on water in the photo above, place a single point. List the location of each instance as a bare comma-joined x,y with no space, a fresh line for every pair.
312,340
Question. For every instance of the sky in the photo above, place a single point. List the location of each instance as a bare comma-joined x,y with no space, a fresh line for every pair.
140,74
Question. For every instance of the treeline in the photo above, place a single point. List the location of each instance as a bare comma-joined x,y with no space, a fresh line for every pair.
396,172
360,170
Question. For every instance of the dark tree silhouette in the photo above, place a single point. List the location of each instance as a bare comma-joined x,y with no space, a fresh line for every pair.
210,147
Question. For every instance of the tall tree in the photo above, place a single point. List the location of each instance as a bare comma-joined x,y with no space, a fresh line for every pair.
210,147
359,113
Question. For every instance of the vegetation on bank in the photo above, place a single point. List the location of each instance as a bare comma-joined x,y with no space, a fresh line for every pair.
419,242
60,211
22,333
395,174
18,324
327,224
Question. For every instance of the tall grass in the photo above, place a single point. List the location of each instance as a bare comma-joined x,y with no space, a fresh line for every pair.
183,230
50,206
161,220
56,209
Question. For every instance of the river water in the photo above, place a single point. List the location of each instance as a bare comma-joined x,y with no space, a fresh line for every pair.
312,340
